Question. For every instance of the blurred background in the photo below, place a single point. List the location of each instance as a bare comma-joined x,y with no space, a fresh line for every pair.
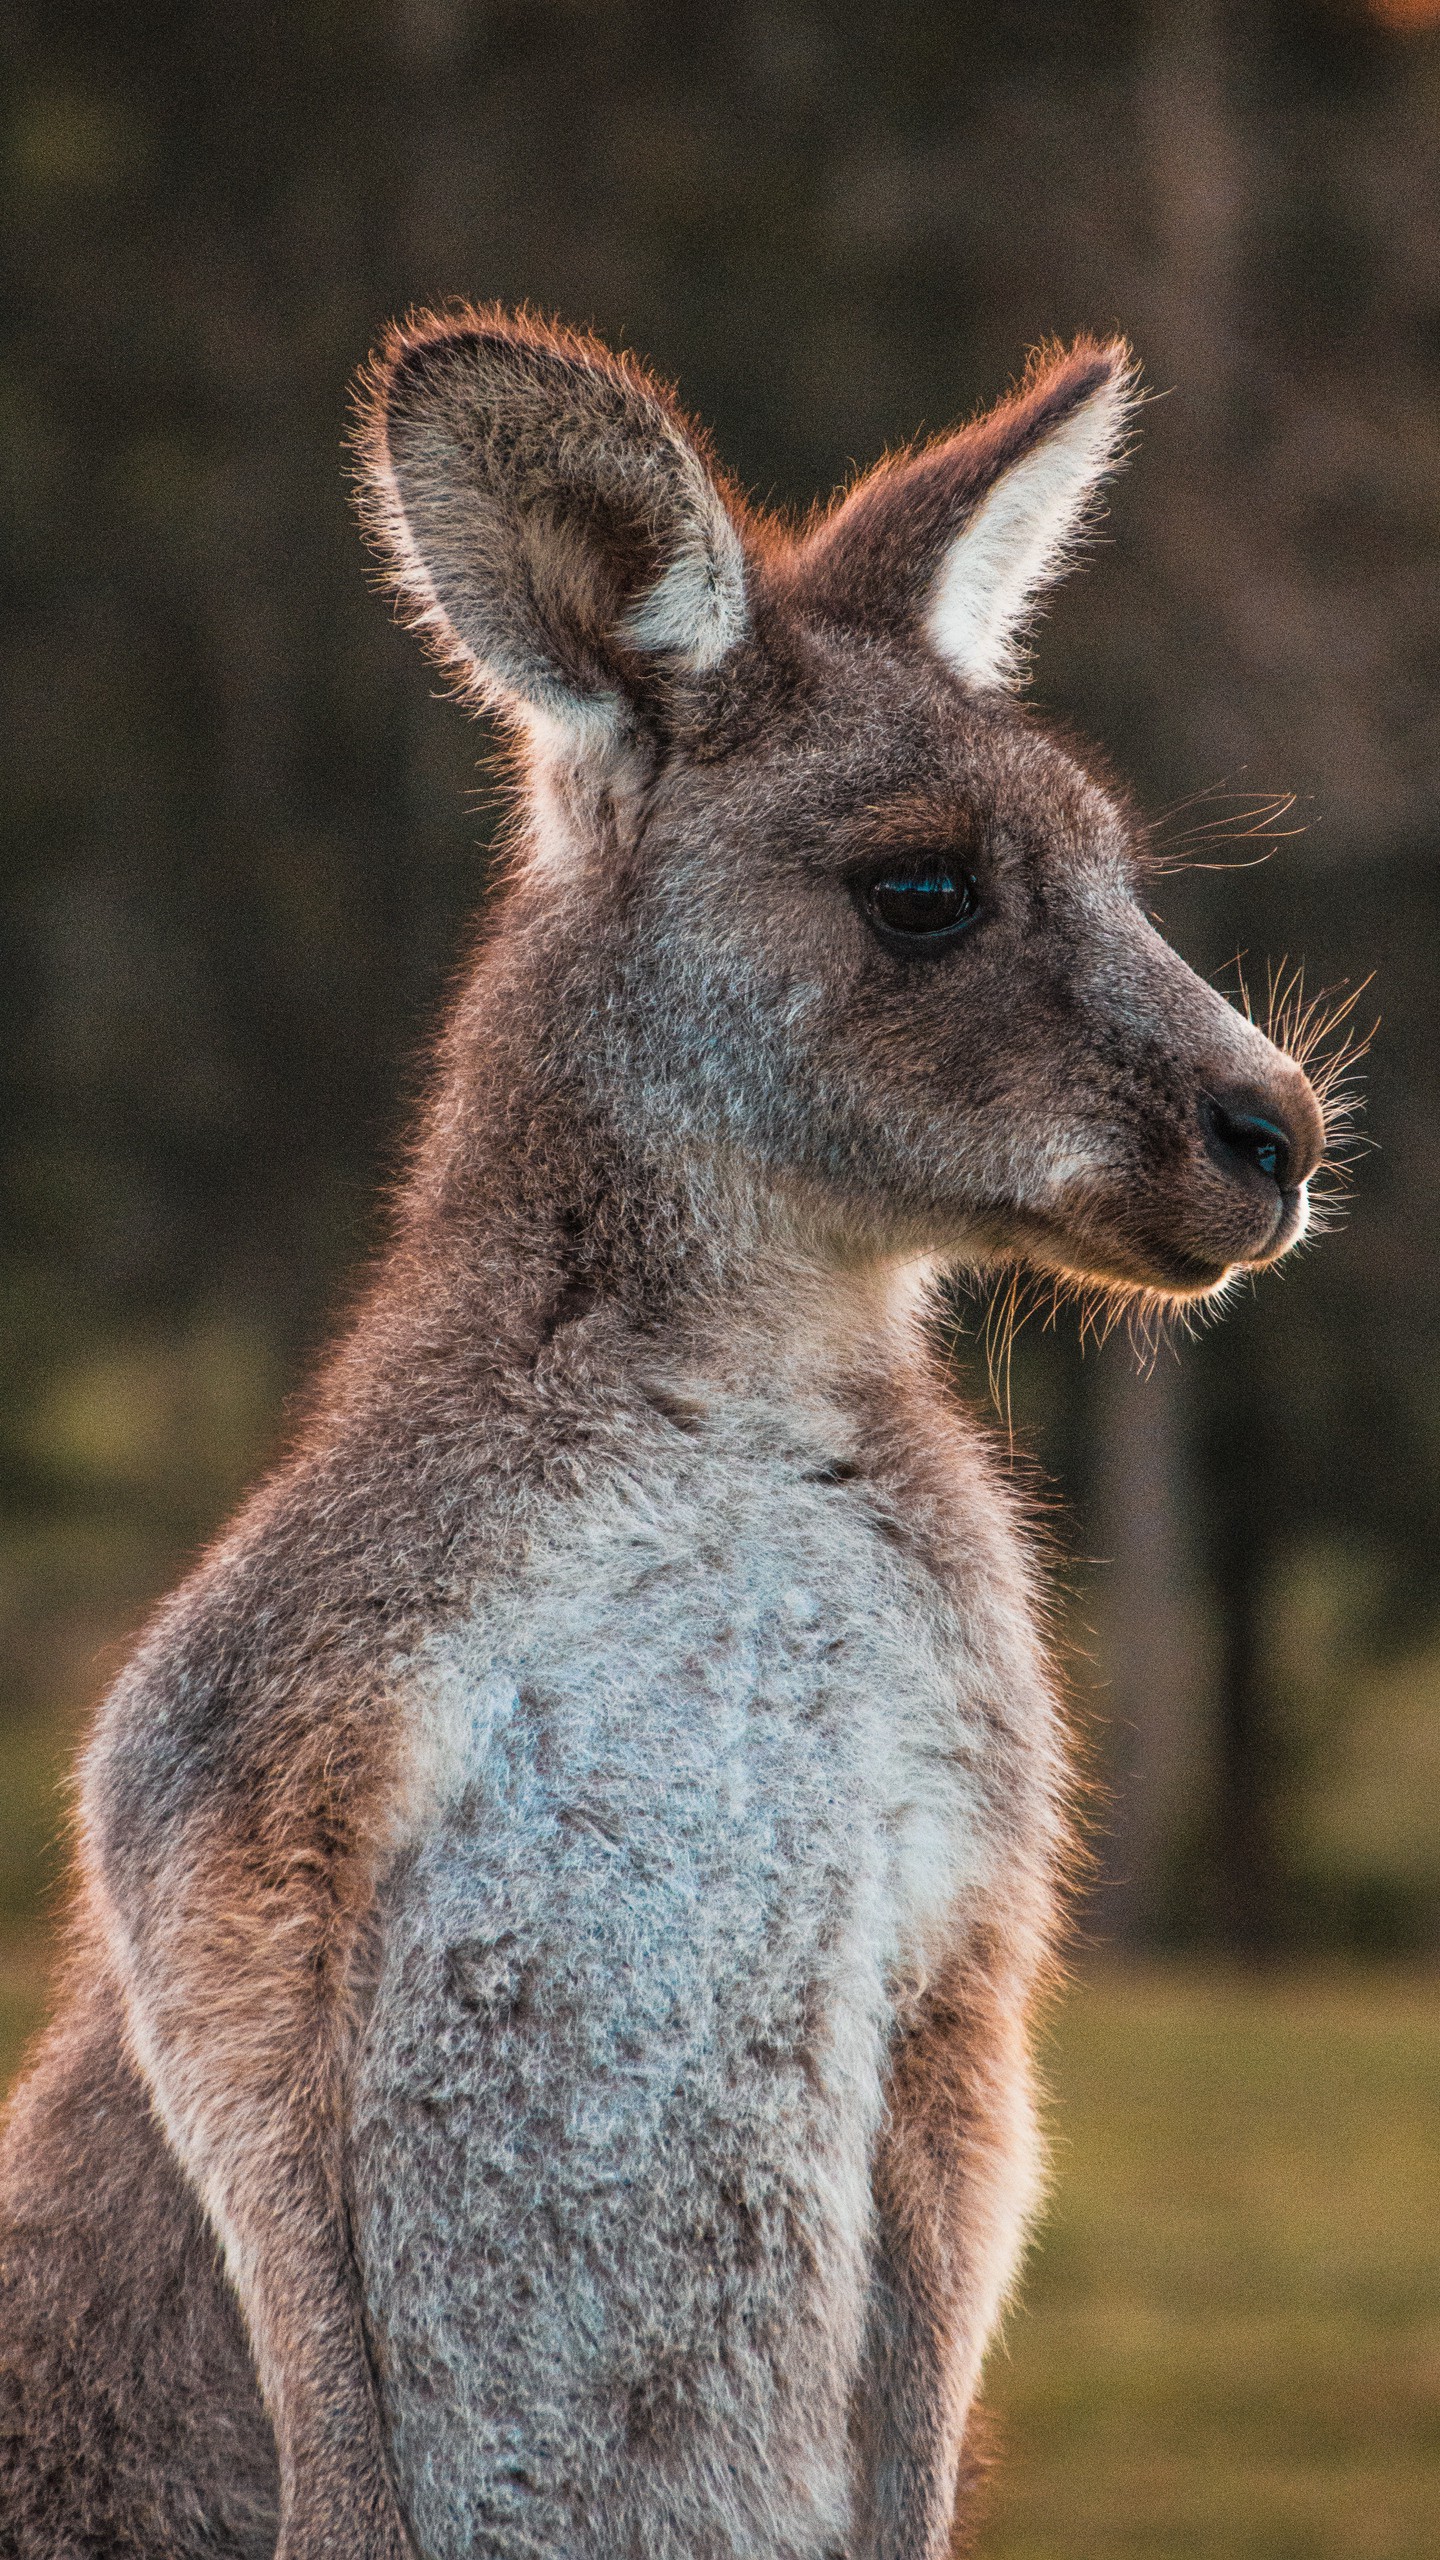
241,840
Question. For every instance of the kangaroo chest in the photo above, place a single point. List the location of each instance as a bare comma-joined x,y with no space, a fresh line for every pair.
697,1798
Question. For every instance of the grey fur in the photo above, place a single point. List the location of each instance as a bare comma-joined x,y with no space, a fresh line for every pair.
564,1885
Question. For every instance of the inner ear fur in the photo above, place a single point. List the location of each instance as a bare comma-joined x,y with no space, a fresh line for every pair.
951,545
550,523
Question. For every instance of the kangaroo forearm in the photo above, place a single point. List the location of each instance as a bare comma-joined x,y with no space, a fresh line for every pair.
240,2029
955,2180
932,2311
916,2401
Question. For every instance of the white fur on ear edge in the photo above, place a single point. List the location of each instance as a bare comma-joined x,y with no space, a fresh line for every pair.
1022,537
696,610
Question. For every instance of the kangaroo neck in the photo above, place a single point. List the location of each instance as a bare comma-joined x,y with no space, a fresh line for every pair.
534,1206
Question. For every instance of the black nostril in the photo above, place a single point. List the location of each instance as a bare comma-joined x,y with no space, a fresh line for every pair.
1238,1135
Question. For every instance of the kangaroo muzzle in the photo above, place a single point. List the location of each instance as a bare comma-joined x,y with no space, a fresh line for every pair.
1269,1141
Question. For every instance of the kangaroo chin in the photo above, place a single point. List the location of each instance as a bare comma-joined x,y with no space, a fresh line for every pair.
563,1885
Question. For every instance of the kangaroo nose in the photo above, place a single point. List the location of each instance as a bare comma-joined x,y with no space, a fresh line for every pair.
1283,1143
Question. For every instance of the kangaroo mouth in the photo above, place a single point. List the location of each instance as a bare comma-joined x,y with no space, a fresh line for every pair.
1290,1226
1171,1249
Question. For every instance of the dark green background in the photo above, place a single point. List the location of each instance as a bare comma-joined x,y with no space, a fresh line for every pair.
241,839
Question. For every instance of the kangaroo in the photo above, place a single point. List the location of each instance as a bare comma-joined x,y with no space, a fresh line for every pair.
543,2066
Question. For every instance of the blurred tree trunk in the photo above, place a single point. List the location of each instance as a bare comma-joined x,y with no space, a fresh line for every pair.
1148,1607
1151,1635
1151,1618
1249,1871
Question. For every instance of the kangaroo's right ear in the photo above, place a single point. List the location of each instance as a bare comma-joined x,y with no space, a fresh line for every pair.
551,525
953,546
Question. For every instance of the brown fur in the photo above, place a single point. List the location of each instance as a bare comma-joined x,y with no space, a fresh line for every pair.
695,1134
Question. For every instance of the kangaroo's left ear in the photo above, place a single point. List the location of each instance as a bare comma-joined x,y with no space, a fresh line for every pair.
551,524
954,545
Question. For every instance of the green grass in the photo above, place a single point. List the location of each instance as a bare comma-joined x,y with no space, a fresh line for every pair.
1230,2338
1229,2342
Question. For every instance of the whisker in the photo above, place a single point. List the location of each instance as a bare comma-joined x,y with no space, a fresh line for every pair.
1322,1036
1250,817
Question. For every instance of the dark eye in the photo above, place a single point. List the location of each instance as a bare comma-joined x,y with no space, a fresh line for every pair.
921,902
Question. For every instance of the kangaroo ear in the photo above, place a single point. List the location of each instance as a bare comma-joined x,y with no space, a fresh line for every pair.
953,545
551,525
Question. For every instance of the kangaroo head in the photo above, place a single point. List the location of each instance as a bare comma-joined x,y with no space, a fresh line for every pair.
813,900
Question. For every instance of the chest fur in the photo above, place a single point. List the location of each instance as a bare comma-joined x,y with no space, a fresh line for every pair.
696,1799
721,1677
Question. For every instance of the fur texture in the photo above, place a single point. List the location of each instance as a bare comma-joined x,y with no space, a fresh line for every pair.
545,2068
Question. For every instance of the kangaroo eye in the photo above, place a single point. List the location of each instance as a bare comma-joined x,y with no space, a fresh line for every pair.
922,903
